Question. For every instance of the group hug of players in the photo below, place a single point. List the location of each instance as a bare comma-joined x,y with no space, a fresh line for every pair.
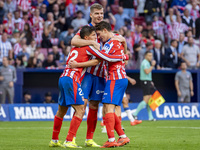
96,73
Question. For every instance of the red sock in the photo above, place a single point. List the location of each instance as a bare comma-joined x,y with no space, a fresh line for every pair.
120,118
104,121
91,123
110,123
75,123
56,127
118,127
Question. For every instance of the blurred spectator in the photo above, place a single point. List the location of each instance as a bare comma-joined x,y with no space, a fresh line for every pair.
86,9
139,54
128,7
27,97
24,21
7,78
8,23
151,8
31,48
158,27
71,9
23,5
33,62
158,55
59,19
37,26
65,38
43,11
79,21
197,25
50,20
129,41
179,5
186,19
169,16
177,28
194,12
191,4
184,84
171,55
5,48
111,19
17,16
140,7
181,42
16,37
9,6
137,35
18,47
191,54
27,34
48,98
46,36
2,11
120,17
49,62
38,54
56,53
19,63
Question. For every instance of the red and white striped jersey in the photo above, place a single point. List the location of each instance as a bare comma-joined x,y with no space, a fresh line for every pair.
10,26
158,27
176,28
54,41
22,23
17,48
116,70
24,4
83,54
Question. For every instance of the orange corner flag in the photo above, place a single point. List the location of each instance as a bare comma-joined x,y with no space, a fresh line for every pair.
156,100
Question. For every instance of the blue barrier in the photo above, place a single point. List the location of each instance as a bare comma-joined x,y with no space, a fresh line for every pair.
46,112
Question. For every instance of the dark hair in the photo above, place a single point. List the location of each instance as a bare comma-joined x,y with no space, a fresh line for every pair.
172,41
148,44
103,25
95,6
135,46
86,31
147,52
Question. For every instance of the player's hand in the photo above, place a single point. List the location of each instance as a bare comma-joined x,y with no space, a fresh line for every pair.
11,84
179,93
132,81
96,45
191,93
153,63
125,57
73,64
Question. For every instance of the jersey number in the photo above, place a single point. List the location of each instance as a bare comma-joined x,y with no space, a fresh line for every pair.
75,52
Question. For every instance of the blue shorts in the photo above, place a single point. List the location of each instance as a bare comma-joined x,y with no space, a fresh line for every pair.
93,87
70,92
114,91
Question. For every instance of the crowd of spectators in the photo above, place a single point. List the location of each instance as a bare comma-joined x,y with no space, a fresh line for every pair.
38,33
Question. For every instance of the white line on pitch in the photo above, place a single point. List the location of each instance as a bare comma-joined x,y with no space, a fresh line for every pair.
172,127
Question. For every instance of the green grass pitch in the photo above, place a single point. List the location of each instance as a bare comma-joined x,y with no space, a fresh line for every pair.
159,135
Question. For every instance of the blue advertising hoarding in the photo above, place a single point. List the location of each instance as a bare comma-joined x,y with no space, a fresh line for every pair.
46,112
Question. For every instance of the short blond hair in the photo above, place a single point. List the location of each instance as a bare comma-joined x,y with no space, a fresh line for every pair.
95,6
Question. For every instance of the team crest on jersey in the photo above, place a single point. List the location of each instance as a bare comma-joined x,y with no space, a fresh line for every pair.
107,47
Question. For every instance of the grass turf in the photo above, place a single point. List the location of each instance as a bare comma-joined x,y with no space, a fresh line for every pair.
159,135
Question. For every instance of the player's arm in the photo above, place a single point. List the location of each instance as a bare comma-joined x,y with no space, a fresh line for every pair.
101,55
131,80
77,41
73,64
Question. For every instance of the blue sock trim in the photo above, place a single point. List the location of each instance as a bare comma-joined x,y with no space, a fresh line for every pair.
127,108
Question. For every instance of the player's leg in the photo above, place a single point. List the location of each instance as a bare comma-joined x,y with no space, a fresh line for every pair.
125,102
96,95
146,87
